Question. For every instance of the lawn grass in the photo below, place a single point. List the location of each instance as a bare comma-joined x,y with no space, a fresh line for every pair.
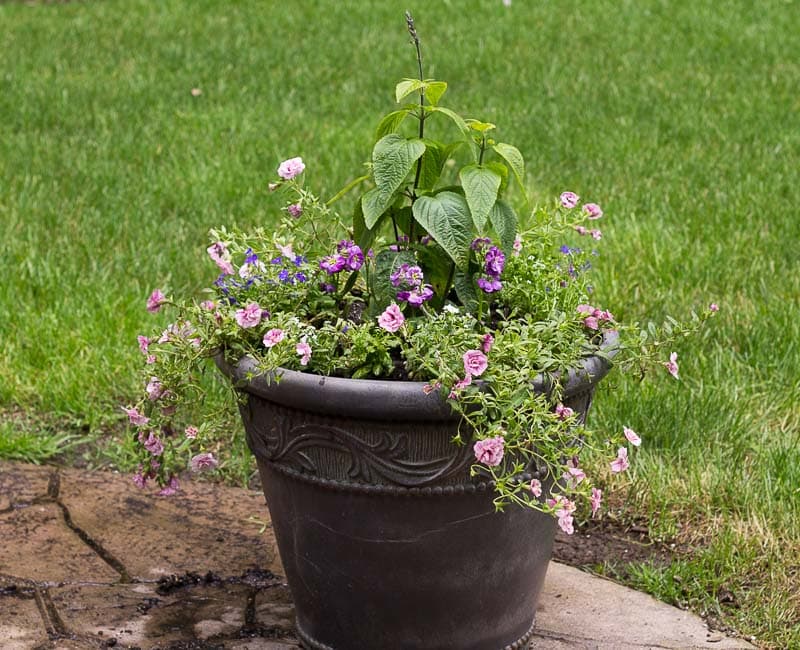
681,118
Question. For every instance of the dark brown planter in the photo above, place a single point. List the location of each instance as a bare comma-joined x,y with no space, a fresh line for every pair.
386,541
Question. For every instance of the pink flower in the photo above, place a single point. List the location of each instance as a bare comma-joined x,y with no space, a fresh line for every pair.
573,476
536,487
489,451
218,252
516,247
429,388
592,210
273,337
295,209
151,359
139,479
392,318
153,445
569,199
250,316
591,322
585,309
144,342
713,307
566,522
202,462
155,301
288,169
304,350
581,230
596,498
596,234
672,365
208,305
564,412
191,432
632,436
155,389
620,464
475,362
170,488
135,417
486,343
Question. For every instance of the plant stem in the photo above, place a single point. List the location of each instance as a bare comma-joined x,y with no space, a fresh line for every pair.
413,31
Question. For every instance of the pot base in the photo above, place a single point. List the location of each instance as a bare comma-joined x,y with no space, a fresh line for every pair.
308,642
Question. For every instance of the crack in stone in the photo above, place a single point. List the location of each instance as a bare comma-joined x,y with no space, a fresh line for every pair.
53,624
53,493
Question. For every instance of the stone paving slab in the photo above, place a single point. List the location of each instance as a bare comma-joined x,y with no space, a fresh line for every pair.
78,548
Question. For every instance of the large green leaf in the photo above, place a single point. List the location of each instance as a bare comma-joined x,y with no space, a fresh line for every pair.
464,284
481,185
447,219
373,204
513,157
392,159
432,162
364,236
505,223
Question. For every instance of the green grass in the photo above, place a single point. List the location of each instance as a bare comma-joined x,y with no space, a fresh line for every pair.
680,118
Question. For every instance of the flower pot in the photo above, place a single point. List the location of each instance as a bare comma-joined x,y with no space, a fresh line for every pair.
386,540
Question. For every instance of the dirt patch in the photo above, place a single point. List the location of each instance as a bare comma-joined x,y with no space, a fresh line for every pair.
612,544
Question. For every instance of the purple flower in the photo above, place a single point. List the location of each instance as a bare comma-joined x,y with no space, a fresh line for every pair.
564,412
332,263
713,307
250,316
139,479
288,169
392,318
495,262
203,462
155,301
327,287
295,209
490,285
475,362
479,242
489,451
569,199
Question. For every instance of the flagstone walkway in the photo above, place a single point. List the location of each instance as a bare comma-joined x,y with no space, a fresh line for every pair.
86,562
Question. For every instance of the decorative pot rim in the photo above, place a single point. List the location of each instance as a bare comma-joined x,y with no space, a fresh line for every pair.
386,399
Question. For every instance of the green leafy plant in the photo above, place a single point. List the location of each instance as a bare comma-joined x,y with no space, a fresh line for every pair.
433,278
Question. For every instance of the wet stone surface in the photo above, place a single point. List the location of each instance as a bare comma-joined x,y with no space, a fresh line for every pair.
88,563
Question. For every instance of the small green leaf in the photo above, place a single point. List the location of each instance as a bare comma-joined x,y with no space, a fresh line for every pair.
403,218
481,186
480,127
434,91
362,235
505,223
447,219
392,159
342,192
514,158
391,122
462,126
406,87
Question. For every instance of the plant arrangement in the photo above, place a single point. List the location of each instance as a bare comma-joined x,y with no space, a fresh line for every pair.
432,277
